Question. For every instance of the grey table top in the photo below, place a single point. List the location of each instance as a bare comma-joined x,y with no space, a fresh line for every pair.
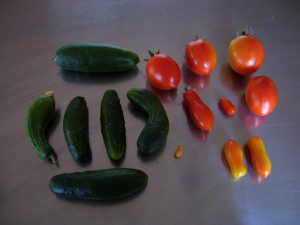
196,189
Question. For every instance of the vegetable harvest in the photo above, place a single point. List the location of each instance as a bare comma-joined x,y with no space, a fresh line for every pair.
38,117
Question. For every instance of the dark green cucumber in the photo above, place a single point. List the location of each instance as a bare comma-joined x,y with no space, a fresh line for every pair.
38,117
76,130
113,125
154,135
100,184
95,58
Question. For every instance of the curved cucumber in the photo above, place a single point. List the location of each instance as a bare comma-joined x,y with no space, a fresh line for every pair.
100,184
37,118
113,125
76,130
96,58
154,134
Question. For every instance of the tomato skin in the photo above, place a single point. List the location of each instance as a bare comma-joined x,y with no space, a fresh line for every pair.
261,95
246,55
201,57
163,72
200,113
227,106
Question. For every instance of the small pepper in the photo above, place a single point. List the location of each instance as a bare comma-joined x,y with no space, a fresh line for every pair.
234,157
227,106
259,157
178,151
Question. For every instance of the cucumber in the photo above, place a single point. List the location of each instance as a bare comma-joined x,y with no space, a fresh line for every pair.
113,125
75,127
100,184
95,58
154,135
38,117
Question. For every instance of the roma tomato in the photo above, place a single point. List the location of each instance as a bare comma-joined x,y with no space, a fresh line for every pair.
261,95
246,54
201,56
227,106
163,72
200,113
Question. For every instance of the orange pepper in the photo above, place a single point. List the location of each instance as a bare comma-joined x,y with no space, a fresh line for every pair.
234,157
259,157
227,106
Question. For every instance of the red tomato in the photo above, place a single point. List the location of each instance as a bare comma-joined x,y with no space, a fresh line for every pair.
200,113
201,57
261,95
227,106
163,72
246,55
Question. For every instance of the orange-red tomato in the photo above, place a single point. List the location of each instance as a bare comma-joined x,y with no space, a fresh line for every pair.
246,55
261,95
200,113
163,72
227,106
201,57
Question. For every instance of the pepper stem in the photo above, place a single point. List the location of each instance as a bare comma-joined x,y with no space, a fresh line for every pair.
188,88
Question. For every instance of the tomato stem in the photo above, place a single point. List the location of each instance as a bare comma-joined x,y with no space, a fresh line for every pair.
244,33
188,88
150,53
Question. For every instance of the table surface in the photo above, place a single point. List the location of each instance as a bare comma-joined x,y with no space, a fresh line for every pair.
195,189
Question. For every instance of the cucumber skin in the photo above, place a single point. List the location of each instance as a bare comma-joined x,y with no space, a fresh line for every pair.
154,135
113,125
95,58
38,117
75,126
104,184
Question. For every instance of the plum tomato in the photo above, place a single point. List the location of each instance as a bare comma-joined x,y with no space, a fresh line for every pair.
261,95
163,72
201,56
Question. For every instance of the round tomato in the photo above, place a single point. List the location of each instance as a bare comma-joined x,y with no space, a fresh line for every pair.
261,95
246,54
163,72
201,57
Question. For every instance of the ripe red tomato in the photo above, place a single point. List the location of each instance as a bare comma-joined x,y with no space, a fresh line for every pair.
261,95
200,113
201,57
246,54
227,106
163,72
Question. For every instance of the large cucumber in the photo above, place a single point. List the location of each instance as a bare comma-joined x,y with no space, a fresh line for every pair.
76,130
37,118
100,184
96,58
113,125
154,134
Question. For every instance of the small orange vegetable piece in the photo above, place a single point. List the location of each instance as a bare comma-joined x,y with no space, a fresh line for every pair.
234,157
259,157
227,106
178,151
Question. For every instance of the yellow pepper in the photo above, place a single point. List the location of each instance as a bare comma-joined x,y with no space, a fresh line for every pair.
178,152
259,157
234,157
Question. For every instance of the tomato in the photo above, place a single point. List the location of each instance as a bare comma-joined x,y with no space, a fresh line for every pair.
261,95
200,113
227,106
200,56
163,72
246,54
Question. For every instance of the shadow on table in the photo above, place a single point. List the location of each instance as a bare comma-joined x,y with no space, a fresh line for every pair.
97,78
193,80
233,81
164,96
